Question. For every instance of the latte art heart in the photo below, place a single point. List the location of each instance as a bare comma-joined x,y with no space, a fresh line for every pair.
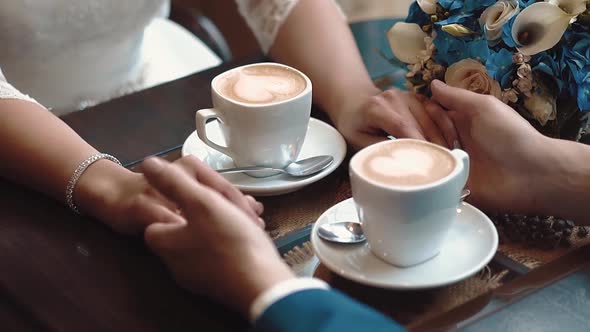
405,163
261,84
402,163
262,88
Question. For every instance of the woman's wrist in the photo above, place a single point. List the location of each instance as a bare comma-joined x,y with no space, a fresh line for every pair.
99,188
348,99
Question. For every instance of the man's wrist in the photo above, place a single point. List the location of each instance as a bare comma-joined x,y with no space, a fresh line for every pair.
563,187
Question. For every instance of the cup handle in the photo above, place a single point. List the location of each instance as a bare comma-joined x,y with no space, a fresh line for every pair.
201,118
463,157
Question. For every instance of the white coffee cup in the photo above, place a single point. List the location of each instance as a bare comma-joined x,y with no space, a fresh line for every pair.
260,133
407,223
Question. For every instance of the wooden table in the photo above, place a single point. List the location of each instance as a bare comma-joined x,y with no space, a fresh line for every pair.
68,273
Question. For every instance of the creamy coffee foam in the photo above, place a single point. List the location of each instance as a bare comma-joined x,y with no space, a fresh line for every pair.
261,84
405,163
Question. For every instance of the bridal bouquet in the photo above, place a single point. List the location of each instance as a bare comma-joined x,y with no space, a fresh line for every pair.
532,55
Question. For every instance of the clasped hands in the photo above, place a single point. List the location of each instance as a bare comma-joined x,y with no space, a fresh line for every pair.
211,237
507,154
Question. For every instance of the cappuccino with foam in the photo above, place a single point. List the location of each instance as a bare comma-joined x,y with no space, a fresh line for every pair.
263,110
405,163
407,194
261,84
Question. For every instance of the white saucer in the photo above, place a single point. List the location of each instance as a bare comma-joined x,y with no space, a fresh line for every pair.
470,245
321,139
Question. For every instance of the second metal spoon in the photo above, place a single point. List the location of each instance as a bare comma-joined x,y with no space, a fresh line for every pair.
350,231
304,167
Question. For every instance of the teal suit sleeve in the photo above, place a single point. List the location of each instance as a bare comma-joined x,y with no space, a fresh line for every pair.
322,310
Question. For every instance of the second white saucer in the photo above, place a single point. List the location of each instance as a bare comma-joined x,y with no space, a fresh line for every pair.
470,245
321,139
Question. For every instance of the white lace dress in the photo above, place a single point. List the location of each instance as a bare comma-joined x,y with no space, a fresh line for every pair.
69,54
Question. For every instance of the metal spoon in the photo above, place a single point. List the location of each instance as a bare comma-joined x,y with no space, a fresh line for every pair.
342,232
350,231
299,168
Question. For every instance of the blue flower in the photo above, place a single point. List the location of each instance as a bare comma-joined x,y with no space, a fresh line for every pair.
466,6
547,64
450,49
467,20
451,4
500,67
584,92
416,15
576,58
464,12
578,49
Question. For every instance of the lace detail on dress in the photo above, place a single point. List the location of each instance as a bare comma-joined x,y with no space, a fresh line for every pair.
265,17
7,91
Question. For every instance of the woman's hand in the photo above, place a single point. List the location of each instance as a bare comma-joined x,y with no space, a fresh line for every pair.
397,113
213,248
127,203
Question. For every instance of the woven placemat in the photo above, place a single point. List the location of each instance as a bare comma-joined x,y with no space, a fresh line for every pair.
287,213
408,306
535,257
404,306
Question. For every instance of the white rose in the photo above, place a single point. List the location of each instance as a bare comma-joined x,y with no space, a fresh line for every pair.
428,6
494,17
471,75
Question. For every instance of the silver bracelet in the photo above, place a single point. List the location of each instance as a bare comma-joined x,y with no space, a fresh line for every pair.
78,173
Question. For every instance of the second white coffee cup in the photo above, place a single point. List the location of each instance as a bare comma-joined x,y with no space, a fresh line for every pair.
407,194
263,110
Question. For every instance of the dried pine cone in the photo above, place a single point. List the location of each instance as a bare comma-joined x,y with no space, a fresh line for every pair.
545,232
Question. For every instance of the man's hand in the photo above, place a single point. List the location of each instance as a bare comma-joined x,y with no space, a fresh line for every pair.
213,247
507,155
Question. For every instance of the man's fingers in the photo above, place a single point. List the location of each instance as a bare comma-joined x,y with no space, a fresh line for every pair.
431,131
258,208
163,200
260,222
174,182
462,123
256,205
443,121
148,210
453,98
163,237
210,178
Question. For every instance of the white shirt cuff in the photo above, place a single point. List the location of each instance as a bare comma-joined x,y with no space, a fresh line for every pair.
280,291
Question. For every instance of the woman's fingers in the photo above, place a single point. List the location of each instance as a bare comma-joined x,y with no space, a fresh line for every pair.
389,113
